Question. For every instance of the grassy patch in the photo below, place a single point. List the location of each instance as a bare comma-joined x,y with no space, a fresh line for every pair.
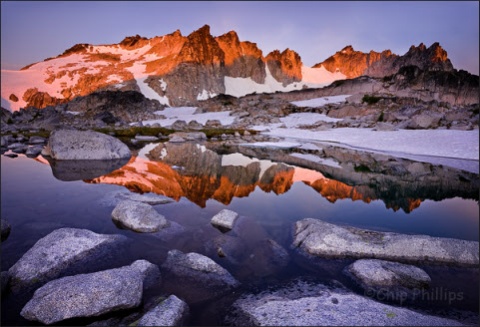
475,111
370,99
380,118
132,131
216,132
362,169
338,82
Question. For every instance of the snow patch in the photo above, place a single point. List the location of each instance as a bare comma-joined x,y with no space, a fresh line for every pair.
146,149
319,77
319,102
202,148
163,84
114,78
286,145
163,153
306,118
187,114
205,95
75,113
311,77
458,149
313,158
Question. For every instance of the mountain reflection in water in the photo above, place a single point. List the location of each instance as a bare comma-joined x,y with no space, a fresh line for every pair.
199,174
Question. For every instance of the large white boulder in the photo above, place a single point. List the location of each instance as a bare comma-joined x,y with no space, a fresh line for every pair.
71,144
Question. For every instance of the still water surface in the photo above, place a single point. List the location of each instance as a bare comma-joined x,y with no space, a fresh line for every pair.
36,203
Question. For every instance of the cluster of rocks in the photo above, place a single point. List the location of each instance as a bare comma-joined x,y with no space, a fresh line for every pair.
58,267
30,146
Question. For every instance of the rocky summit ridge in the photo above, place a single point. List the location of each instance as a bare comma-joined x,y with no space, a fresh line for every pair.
379,64
179,70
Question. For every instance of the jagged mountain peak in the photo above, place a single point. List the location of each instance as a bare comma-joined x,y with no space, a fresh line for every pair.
356,63
131,41
347,50
178,70
177,33
204,30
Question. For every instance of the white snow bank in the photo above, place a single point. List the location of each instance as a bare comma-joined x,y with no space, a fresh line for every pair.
440,143
306,118
187,114
313,158
458,149
319,77
272,144
146,149
311,77
319,102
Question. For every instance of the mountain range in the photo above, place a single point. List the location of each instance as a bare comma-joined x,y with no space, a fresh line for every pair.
180,70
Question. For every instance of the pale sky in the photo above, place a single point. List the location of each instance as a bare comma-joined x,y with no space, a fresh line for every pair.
34,31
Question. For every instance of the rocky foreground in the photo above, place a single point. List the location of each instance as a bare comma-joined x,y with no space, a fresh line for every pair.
56,271
60,281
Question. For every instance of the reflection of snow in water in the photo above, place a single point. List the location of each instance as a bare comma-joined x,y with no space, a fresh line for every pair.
453,148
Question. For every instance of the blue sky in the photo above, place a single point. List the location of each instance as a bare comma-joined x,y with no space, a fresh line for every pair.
34,31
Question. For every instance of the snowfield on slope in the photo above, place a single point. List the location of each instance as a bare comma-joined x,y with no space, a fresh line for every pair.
453,148
187,114
311,77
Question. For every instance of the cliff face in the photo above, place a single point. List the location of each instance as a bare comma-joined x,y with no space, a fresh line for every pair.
178,70
173,69
242,59
356,63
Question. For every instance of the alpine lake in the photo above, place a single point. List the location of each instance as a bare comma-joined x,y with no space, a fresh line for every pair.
270,188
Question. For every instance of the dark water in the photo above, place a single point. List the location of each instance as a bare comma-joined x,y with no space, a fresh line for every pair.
36,203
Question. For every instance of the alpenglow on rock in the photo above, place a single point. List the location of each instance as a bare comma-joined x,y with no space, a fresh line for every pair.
319,238
71,144
88,295
59,251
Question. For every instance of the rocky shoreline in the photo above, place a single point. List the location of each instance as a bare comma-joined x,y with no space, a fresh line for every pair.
56,275
59,284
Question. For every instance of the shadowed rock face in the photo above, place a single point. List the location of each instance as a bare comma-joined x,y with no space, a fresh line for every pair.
285,67
200,277
242,59
170,312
